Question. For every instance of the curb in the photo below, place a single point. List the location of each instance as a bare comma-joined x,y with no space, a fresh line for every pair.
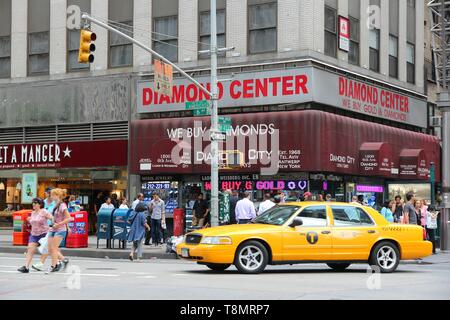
98,254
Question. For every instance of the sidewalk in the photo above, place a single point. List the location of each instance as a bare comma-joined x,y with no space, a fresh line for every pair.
150,252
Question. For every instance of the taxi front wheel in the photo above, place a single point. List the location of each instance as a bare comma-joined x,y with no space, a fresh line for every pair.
251,257
385,256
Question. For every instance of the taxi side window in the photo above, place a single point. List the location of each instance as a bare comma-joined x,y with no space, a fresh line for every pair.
315,216
350,216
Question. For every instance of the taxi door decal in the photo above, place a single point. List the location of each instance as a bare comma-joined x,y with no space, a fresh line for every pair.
312,237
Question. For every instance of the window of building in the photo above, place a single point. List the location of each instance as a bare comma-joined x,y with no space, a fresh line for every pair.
262,27
205,32
354,13
374,46
411,63
314,216
38,37
121,49
73,39
330,32
5,38
353,54
166,37
350,216
393,56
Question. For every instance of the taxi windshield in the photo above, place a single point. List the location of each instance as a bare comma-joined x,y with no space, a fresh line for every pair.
277,215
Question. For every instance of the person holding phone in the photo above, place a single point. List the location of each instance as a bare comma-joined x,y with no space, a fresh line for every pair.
39,229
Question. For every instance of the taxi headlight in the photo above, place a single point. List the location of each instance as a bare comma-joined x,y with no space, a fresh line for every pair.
216,240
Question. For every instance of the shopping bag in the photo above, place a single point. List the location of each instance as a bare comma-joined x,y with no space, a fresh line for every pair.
43,245
163,224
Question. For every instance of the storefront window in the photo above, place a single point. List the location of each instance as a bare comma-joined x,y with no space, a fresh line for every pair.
421,190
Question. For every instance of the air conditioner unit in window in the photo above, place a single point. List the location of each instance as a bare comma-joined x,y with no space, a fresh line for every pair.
436,122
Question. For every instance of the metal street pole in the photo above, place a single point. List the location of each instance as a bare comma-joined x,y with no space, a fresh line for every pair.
214,121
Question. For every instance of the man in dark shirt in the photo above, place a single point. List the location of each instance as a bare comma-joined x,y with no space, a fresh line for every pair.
233,200
409,211
200,210
398,208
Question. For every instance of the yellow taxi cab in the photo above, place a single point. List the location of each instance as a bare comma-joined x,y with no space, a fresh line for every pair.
337,234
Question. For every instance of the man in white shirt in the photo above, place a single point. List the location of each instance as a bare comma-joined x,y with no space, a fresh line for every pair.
139,198
245,210
266,205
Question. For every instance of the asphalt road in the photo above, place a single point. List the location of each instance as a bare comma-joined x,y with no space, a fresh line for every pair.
179,280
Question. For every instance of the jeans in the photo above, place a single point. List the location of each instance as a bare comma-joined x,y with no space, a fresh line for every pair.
137,245
432,238
148,233
156,231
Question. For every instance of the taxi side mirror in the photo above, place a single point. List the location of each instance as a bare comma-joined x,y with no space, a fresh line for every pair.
296,223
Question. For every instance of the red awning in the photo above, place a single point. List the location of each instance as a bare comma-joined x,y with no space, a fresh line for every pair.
377,159
309,141
414,164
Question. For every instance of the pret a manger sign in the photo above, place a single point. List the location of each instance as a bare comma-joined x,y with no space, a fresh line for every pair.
31,154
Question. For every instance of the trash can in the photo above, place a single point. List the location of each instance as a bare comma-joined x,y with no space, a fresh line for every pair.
104,226
21,227
121,227
79,230
178,222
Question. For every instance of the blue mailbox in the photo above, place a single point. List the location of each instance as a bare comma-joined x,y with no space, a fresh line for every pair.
120,226
104,226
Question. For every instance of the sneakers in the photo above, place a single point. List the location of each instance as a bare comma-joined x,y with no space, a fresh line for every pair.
38,266
65,262
23,270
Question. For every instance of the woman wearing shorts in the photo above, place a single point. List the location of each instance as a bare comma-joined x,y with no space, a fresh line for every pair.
58,231
39,229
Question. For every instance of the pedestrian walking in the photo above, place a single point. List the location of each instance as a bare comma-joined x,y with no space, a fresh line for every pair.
108,204
307,196
114,200
58,231
386,211
432,225
39,229
139,225
233,201
123,203
200,211
158,214
245,210
409,210
266,204
328,198
421,210
49,203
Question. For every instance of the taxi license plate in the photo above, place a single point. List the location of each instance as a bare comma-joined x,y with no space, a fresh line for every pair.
185,252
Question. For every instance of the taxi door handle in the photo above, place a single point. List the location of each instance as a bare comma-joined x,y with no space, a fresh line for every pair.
371,231
326,232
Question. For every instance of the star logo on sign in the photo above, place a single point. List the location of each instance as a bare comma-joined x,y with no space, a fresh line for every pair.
67,152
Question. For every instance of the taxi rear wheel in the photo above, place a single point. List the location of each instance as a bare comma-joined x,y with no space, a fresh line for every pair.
338,266
385,256
218,267
251,257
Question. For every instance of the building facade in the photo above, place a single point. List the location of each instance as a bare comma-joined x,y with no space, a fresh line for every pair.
342,81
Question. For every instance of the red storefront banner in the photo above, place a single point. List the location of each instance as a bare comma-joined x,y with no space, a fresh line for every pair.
309,141
377,159
414,164
86,154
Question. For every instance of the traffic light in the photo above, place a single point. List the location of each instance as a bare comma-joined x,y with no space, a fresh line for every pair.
86,46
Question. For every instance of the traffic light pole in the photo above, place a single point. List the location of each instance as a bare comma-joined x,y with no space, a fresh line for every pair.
213,95
87,17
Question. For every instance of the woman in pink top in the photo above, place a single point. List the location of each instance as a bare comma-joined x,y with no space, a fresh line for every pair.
39,229
58,231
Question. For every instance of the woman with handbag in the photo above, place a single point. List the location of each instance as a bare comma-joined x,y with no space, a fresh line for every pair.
136,235
39,229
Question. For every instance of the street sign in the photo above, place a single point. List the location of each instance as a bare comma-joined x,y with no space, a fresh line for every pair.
197,105
225,124
163,78
202,112
217,136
